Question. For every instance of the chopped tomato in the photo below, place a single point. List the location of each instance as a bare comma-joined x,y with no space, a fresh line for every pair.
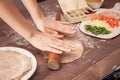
111,21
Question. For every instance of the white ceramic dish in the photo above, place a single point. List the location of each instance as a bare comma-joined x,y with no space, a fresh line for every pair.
27,53
95,5
113,34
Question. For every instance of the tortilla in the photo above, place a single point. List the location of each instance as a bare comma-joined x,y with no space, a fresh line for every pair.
13,65
76,54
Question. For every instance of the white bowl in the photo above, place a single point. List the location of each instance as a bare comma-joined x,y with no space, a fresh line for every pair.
95,5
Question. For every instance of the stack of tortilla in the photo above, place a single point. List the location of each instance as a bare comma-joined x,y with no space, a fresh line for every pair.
13,65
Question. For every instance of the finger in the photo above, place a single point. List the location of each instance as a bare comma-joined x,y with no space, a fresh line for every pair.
51,49
58,35
66,45
62,48
51,31
65,29
59,44
64,22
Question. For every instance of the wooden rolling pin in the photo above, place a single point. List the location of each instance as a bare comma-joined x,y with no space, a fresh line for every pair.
53,58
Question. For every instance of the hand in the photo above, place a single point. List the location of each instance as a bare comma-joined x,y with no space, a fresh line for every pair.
54,27
49,42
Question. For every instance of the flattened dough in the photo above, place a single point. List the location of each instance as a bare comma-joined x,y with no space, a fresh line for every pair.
69,57
13,65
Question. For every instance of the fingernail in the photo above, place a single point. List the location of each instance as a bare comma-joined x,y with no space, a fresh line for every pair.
60,52
73,28
62,35
69,50
73,49
73,46
73,31
55,32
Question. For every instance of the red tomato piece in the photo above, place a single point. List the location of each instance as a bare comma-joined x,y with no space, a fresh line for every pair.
111,21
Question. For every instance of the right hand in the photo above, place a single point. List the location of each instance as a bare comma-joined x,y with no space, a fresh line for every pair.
54,27
49,42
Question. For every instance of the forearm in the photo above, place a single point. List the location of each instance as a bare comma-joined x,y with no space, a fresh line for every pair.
10,14
34,9
44,24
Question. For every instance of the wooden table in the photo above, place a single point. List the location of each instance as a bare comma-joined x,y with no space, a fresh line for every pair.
100,56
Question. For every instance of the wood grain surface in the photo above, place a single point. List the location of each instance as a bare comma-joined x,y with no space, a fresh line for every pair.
99,58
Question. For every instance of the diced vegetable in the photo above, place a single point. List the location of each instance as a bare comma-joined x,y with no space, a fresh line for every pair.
97,30
111,21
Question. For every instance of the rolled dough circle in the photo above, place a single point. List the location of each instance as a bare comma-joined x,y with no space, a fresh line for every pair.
76,54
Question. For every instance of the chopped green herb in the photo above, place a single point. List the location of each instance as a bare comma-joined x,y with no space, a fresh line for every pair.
97,30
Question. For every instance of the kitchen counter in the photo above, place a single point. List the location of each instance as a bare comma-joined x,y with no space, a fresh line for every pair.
100,56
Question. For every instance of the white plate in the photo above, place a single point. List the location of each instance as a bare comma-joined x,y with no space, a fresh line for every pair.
27,53
114,33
